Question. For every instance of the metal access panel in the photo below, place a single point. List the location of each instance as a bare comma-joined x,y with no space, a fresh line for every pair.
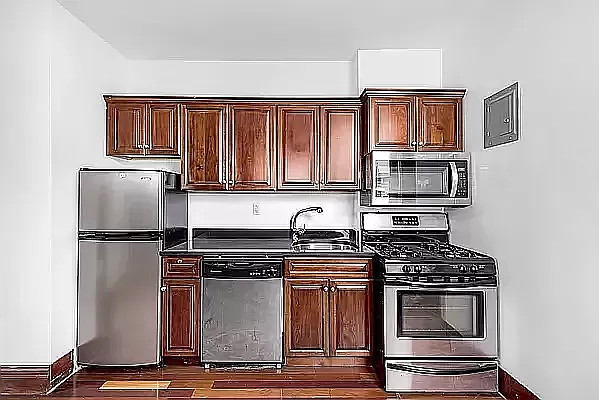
502,120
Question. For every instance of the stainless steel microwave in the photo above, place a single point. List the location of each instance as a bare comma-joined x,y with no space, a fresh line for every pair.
416,179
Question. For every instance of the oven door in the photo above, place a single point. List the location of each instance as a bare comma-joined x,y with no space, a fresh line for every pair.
399,180
434,320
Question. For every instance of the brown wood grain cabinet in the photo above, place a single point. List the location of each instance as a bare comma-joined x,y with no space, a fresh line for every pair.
180,317
142,128
339,149
306,317
412,120
126,128
439,124
163,129
319,147
328,311
298,147
203,163
251,147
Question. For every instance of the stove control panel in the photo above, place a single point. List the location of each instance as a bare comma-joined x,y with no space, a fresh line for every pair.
445,269
405,220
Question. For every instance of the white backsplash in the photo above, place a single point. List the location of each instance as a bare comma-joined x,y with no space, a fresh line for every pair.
235,210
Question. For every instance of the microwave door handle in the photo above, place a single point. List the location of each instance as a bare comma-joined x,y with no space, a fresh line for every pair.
432,371
454,179
441,284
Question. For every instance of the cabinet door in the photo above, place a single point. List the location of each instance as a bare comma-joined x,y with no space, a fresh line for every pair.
162,136
439,124
351,317
251,147
339,151
298,147
126,126
306,317
180,317
203,161
392,123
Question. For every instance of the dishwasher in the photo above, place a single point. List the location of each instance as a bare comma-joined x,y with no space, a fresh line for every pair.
242,311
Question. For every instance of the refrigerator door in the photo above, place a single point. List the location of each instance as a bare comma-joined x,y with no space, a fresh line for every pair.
118,303
121,201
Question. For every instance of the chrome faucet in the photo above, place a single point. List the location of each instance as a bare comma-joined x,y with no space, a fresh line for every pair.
297,232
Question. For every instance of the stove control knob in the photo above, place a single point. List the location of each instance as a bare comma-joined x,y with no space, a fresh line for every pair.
417,269
406,268
463,269
473,269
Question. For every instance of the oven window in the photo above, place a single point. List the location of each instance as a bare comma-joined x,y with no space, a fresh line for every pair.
411,178
440,314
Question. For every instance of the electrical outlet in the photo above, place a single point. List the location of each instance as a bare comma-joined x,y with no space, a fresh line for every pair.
256,209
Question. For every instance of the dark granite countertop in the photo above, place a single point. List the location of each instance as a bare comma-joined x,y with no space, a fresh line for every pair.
251,243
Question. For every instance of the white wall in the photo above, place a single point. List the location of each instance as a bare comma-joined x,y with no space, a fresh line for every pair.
25,182
84,67
215,210
260,78
535,200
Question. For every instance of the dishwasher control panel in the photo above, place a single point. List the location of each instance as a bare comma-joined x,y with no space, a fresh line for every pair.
242,269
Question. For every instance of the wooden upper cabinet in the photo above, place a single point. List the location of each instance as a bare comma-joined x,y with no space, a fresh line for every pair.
180,317
351,317
339,149
391,123
306,317
126,128
163,131
298,147
439,124
251,147
203,161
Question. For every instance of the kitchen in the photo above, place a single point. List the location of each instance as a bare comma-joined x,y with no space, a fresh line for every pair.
482,226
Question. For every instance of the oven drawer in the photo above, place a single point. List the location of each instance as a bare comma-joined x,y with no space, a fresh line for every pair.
441,376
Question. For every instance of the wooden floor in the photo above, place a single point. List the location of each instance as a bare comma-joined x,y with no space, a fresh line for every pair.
193,382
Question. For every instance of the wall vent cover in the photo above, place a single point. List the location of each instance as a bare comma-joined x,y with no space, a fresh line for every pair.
502,117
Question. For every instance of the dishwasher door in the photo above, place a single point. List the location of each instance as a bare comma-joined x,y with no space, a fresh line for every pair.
242,320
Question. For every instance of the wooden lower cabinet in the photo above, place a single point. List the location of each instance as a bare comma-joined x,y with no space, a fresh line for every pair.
350,317
180,317
328,320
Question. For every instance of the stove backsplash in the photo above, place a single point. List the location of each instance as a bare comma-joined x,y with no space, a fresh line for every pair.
236,210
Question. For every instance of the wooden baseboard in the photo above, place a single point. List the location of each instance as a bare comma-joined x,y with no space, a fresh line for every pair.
511,389
34,380
328,361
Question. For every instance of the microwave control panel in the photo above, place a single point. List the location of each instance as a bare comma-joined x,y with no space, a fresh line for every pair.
462,189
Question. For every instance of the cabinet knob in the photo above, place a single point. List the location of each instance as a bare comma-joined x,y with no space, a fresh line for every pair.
506,120
146,146
230,182
420,143
179,261
333,288
413,143
163,289
139,146
325,288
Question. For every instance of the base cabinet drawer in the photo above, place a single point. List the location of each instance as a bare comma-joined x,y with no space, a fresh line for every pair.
181,267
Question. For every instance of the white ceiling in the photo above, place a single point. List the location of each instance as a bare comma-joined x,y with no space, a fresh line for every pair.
260,29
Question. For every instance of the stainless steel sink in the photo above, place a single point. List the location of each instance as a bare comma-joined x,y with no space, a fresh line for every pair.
323,247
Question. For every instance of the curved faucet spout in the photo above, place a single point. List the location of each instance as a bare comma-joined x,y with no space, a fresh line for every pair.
296,232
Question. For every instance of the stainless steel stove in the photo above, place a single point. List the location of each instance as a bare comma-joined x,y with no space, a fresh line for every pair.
436,303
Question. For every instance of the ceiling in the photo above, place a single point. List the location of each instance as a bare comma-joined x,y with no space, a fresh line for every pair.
211,30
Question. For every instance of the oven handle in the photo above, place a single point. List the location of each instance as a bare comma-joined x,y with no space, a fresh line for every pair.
488,282
442,372
454,179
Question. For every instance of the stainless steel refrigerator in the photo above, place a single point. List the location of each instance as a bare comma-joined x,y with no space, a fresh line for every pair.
125,218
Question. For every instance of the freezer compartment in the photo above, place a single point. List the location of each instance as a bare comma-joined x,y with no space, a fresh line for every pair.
118,303
121,201
242,320
441,376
